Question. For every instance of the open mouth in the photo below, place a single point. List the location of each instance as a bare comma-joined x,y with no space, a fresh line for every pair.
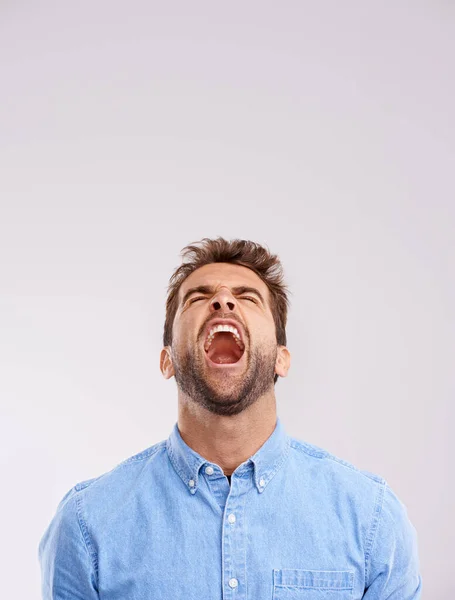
224,344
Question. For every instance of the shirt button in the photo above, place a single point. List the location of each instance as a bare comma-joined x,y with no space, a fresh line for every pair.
233,582
261,482
231,518
209,470
191,482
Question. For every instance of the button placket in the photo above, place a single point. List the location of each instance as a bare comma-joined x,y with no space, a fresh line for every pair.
234,539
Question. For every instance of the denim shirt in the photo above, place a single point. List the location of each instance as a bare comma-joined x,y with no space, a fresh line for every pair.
296,523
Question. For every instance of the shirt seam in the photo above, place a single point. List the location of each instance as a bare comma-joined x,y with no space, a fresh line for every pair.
85,533
79,487
132,460
306,449
372,534
324,454
144,454
343,463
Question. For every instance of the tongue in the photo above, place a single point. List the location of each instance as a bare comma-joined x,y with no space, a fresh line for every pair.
224,349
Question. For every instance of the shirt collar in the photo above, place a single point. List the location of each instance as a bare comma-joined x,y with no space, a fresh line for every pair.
265,462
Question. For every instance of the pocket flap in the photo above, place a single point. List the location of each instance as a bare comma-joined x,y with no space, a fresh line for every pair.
335,580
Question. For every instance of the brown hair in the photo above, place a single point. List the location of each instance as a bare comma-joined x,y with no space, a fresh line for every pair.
240,252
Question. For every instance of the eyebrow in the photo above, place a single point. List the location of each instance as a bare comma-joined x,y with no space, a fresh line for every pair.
237,291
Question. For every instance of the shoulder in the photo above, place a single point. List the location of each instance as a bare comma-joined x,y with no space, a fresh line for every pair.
90,502
391,526
331,463
385,515
391,556
119,478
339,482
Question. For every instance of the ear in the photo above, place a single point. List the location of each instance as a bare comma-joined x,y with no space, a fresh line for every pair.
283,361
166,366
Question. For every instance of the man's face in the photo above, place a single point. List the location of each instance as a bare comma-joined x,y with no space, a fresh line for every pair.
224,370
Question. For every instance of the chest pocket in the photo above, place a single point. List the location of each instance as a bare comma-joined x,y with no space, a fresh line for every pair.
300,584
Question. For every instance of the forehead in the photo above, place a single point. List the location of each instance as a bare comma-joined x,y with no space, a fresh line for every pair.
230,275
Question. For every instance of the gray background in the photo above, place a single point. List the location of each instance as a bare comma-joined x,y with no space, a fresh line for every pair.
324,130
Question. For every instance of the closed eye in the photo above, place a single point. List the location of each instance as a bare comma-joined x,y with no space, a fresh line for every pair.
250,298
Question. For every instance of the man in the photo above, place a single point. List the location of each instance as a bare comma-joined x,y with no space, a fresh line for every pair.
230,506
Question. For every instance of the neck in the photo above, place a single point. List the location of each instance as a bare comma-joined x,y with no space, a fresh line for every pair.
227,441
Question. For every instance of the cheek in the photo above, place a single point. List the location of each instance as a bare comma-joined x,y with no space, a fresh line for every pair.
264,335
178,335
185,334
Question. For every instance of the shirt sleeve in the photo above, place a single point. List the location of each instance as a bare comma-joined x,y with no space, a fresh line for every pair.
67,566
392,563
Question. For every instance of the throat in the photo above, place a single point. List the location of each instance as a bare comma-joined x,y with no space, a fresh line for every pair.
224,349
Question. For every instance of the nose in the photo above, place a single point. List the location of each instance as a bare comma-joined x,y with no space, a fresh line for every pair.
222,300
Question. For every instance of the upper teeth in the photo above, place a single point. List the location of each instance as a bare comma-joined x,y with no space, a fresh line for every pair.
220,327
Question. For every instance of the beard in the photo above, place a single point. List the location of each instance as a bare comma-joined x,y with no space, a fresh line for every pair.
230,395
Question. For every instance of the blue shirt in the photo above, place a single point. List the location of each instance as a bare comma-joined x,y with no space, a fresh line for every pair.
296,523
